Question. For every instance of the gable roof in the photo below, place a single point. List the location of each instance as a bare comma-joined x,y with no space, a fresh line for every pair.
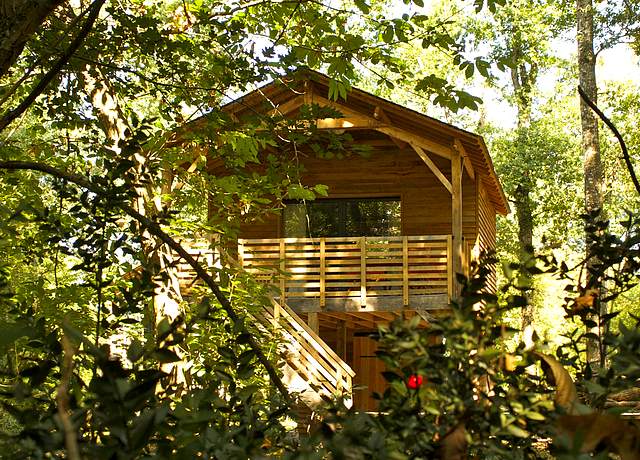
307,86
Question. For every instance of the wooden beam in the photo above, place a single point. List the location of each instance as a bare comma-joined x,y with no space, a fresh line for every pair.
363,271
405,271
308,92
356,120
380,115
388,129
432,166
347,123
457,145
456,217
386,303
433,147
341,339
288,107
346,111
322,272
312,322
283,284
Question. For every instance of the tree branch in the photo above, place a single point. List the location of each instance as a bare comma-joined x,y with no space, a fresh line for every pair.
155,229
623,145
11,115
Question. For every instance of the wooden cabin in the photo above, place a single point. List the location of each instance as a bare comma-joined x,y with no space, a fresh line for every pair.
396,226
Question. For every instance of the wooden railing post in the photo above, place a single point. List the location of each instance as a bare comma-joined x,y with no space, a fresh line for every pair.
456,218
349,391
405,271
450,266
322,274
241,251
282,272
276,314
363,271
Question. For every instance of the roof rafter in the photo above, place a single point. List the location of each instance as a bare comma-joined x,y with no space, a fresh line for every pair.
379,114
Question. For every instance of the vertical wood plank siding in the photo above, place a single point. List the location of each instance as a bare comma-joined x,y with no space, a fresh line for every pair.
426,204
487,230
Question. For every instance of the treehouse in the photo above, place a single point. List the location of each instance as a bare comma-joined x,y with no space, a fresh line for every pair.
396,225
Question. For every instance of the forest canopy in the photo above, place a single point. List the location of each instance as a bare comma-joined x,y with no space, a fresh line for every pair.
111,117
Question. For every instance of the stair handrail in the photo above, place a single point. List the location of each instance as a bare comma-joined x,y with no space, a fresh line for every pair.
342,372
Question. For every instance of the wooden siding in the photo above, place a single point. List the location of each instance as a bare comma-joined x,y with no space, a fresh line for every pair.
487,229
426,204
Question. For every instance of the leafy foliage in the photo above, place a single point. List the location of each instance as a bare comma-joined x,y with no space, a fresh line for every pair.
86,359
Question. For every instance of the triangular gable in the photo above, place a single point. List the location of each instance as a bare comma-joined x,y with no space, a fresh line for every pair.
365,110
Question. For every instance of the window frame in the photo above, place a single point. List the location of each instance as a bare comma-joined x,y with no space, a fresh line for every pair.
343,210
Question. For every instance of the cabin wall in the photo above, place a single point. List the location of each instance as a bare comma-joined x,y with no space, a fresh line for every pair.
426,204
487,228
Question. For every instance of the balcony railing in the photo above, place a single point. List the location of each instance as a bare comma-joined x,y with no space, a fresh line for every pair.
360,269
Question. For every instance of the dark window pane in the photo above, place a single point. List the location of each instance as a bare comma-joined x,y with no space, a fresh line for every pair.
343,217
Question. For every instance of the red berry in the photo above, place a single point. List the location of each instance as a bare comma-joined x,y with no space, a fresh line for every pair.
415,381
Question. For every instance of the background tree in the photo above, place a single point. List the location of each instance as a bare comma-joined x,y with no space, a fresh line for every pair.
521,37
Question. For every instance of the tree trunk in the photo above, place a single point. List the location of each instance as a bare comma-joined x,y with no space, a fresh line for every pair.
523,80
593,172
166,294
19,20
524,215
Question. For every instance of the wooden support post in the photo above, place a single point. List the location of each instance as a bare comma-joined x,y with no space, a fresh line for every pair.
313,323
363,271
283,266
277,311
341,339
457,145
308,92
241,252
323,301
405,271
450,266
456,217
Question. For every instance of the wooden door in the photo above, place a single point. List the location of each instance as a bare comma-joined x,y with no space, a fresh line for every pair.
368,369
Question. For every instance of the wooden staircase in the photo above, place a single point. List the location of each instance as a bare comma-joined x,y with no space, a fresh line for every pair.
310,368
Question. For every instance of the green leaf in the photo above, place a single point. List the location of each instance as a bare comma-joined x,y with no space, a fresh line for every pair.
10,332
135,350
363,6
387,35
299,192
517,431
164,355
321,190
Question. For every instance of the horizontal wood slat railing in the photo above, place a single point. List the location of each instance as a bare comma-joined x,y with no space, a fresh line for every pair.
359,267
304,351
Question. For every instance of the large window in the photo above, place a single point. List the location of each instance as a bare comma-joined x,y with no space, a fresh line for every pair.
343,217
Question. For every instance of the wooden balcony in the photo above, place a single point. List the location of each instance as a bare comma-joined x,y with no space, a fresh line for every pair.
354,274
